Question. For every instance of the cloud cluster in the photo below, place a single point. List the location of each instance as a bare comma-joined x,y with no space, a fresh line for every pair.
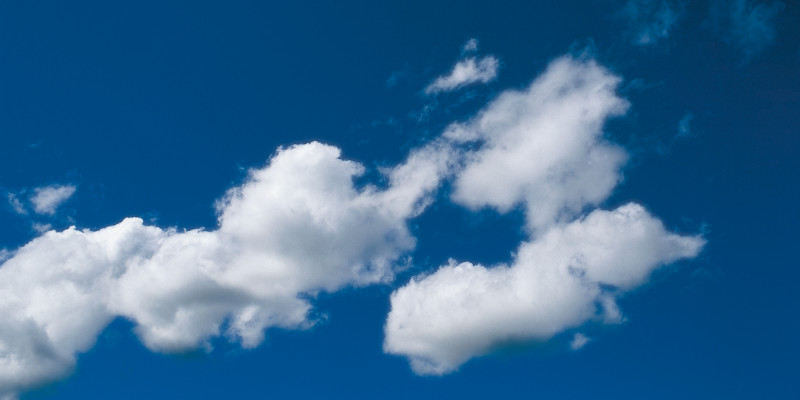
299,226
466,71
294,228
541,148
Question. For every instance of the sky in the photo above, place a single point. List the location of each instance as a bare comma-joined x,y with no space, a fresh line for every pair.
554,200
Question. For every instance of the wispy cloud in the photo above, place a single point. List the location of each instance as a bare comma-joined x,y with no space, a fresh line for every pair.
466,71
578,341
470,46
16,204
747,25
650,20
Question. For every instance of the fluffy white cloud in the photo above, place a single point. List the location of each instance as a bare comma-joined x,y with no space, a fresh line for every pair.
568,276
294,228
47,199
465,72
541,148
55,291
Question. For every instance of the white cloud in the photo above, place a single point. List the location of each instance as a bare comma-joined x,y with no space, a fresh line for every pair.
578,341
747,25
299,226
568,276
541,148
295,227
465,72
47,199
651,20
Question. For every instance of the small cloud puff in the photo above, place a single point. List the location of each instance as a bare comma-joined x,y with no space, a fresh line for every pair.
47,199
16,204
467,71
578,341
470,46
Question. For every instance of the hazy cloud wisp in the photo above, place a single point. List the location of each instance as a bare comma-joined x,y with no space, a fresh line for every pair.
465,72
747,25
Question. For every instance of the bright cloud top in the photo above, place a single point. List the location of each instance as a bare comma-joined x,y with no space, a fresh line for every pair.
296,227
47,199
465,72
541,148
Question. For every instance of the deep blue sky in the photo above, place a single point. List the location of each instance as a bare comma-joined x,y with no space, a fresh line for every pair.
154,109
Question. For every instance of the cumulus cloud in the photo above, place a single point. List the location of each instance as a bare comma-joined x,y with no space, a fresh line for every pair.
650,20
747,25
299,226
465,72
47,199
570,275
541,148
295,227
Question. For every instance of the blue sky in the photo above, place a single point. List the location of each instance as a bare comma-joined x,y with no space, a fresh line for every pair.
360,200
